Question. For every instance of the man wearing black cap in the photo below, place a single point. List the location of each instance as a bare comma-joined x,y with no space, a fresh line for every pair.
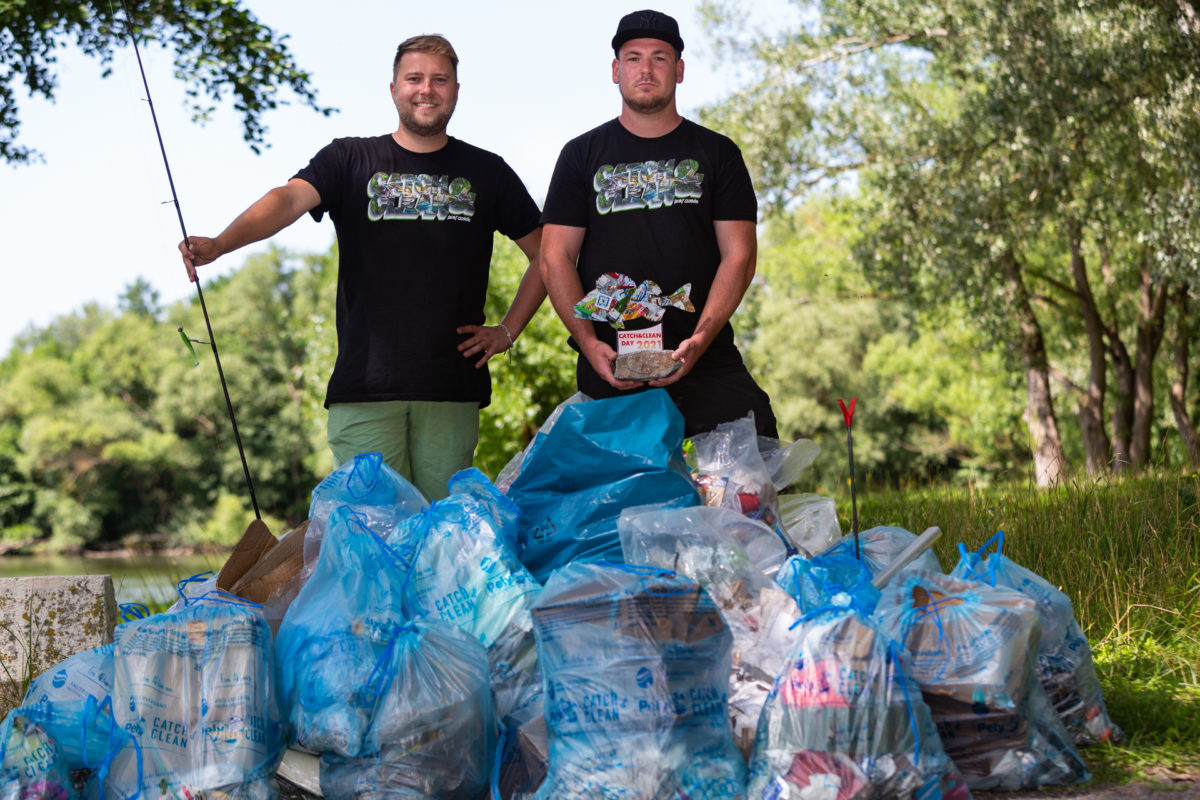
656,197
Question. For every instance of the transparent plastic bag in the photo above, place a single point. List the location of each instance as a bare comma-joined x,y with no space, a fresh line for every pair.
600,457
31,765
973,648
57,700
731,473
196,691
635,661
731,557
846,720
435,726
810,522
367,485
1064,662
335,635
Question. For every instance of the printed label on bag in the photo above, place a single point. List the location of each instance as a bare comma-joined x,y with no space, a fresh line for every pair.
644,339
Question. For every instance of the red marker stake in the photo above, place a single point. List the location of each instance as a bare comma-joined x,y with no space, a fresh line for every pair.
848,415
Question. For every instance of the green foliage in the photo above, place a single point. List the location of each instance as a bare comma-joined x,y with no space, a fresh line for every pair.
220,49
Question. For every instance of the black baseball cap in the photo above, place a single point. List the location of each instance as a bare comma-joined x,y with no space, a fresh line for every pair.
647,25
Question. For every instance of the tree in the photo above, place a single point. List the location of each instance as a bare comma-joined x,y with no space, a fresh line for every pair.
220,48
1035,160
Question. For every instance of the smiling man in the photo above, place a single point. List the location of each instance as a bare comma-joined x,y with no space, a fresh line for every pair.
656,197
414,212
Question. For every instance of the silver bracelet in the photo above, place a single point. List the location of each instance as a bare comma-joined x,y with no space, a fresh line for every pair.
508,333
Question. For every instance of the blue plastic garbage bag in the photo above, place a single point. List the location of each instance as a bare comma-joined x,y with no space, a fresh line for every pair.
1064,661
973,648
600,457
731,557
31,765
635,661
845,719
436,725
367,485
57,699
879,546
815,582
196,690
466,572
336,632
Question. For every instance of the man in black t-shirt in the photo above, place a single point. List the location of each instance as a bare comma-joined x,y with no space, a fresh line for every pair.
414,212
656,197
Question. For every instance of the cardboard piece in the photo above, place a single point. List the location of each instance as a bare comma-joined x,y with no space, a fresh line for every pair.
256,541
274,568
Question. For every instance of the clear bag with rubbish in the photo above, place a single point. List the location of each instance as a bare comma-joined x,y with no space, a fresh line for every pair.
845,720
731,473
810,522
973,648
600,457
336,632
635,661
1064,657
196,690
31,764
367,485
731,557
435,726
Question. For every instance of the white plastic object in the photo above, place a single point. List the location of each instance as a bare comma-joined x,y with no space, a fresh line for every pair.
919,545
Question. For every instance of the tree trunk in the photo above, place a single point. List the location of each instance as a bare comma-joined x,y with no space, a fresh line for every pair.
1122,406
1187,431
1152,309
1090,409
1049,462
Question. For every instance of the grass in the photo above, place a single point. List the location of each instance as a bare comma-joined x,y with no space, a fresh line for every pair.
1127,553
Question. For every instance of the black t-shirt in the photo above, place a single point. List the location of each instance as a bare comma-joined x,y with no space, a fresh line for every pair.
648,206
414,235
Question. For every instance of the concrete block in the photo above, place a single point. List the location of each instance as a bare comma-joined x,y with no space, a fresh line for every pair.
44,620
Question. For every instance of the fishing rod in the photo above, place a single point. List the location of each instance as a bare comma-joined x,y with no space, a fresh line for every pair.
212,339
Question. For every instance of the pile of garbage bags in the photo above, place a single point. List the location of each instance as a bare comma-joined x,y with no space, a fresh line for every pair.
610,619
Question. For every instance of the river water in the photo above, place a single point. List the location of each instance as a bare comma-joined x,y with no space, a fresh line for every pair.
149,579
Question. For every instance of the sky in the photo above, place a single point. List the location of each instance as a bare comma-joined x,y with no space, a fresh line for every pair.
96,213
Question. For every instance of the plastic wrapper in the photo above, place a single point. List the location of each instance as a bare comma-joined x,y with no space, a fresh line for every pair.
810,522
335,634
617,300
31,765
599,458
845,721
828,580
57,700
1064,656
369,486
973,649
730,556
880,546
196,690
635,661
731,473
436,725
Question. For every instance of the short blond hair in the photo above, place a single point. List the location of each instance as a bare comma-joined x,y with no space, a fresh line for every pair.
432,43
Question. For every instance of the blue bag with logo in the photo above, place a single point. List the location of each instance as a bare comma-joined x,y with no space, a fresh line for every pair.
1064,660
635,663
599,458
